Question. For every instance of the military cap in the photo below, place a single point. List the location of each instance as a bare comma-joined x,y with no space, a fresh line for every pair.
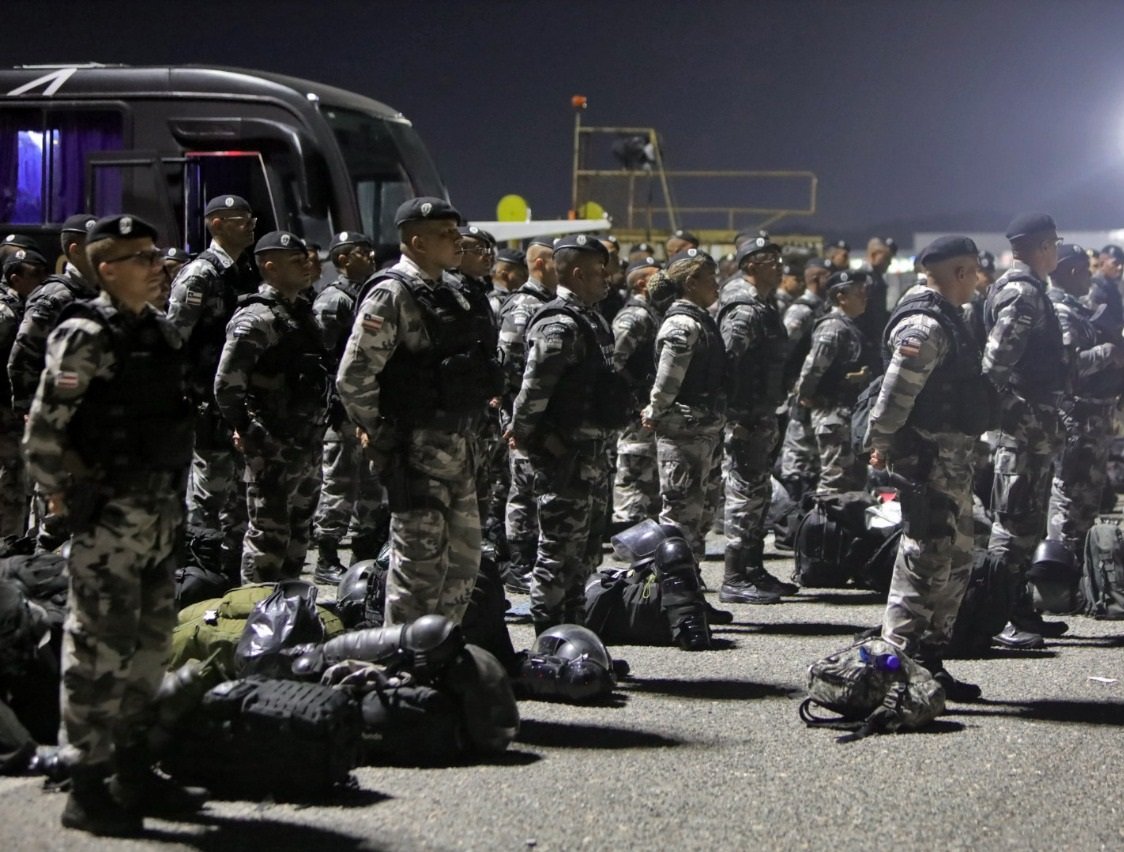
424,209
541,240
644,247
944,248
177,254
349,238
847,278
477,233
311,246
757,245
1028,224
840,245
21,240
987,261
788,269
227,203
512,256
24,255
682,234
816,263
279,241
642,263
1115,252
121,227
1071,253
891,244
611,239
688,254
582,242
79,223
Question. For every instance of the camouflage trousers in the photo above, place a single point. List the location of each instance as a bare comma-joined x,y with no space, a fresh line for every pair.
747,474
350,492
1024,458
216,498
492,475
931,575
118,628
434,528
636,484
1080,473
839,469
13,484
521,519
282,489
800,456
686,453
565,510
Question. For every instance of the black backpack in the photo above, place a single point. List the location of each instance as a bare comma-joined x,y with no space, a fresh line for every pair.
625,607
832,542
1102,583
984,607
860,416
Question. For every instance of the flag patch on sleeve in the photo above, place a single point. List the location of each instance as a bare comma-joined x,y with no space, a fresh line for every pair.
66,380
193,298
371,322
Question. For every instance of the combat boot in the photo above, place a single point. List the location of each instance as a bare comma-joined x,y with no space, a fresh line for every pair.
1028,620
143,791
1020,640
329,569
91,808
736,586
517,572
954,690
762,579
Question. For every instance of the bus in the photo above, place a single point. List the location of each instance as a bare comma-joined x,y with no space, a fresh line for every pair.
159,142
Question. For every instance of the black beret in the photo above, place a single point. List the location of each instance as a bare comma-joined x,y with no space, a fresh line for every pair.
943,248
1070,253
349,238
1115,252
755,246
642,263
512,256
816,263
21,240
543,240
987,261
582,242
279,241
682,234
1026,224
847,278
20,257
424,209
611,239
840,245
788,269
688,254
123,227
891,244
644,247
311,246
477,234
224,203
177,254
79,223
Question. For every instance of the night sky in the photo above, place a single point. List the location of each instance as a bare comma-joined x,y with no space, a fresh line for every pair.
936,115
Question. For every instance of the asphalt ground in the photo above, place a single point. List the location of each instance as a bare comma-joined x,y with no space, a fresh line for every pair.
706,751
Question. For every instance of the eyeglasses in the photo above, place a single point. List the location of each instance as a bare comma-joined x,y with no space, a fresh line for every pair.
483,251
147,257
241,220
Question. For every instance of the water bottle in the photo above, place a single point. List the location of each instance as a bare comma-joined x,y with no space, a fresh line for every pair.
883,662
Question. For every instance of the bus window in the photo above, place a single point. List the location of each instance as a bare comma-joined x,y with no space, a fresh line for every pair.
43,157
134,182
211,173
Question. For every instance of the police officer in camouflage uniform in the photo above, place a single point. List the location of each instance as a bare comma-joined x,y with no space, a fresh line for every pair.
415,377
686,403
521,513
271,386
509,273
569,401
109,440
636,483
1105,289
872,321
28,355
839,366
756,345
1025,358
1087,410
974,307
350,493
204,297
932,406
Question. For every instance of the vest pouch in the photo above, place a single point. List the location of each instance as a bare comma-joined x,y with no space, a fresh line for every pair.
612,400
464,382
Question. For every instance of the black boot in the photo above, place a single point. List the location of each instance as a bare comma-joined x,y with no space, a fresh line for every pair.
762,579
517,572
1028,620
737,587
329,569
142,790
1020,640
954,690
91,808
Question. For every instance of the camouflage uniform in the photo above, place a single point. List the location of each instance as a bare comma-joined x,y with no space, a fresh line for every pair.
121,614
837,369
922,446
350,492
271,386
783,300
1082,465
13,489
26,362
800,458
435,525
566,449
1026,360
636,485
686,405
497,298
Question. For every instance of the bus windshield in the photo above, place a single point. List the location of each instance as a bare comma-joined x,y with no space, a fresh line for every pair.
387,164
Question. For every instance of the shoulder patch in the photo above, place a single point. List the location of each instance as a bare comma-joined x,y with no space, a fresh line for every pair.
66,380
371,323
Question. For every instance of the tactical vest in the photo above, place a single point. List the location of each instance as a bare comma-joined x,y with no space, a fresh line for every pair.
139,420
351,290
640,367
591,393
1042,371
1103,384
799,349
457,374
956,397
510,304
205,345
834,387
756,380
289,385
702,385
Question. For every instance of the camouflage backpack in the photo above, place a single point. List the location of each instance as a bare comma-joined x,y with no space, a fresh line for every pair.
873,688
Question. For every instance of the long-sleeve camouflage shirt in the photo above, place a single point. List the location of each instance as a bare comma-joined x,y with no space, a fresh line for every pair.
78,351
11,312
195,294
634,335
334,312
678,339
798,319
835,338
515,315
1080,337
1017,309
41,314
